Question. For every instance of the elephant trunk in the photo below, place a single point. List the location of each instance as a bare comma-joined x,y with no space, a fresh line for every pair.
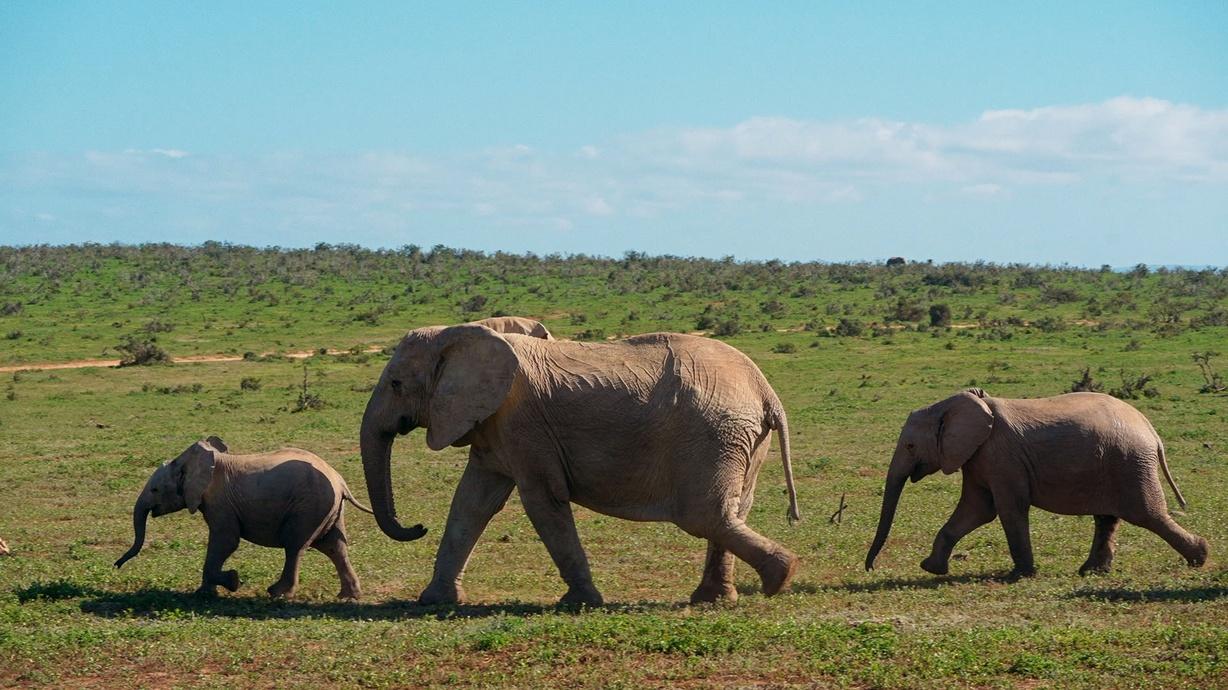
140,516
377,468
897,476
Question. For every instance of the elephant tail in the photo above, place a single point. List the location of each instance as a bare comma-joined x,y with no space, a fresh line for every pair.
780,423
1168,475
354,502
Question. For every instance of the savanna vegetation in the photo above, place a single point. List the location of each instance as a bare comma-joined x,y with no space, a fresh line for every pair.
850,348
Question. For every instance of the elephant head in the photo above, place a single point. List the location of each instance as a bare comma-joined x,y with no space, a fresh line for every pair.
446,380
943,436
177,484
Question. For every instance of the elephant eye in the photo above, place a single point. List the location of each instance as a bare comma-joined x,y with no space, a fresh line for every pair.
153,491
909,446
396,385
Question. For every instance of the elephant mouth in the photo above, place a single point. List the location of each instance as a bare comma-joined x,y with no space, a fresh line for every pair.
404,426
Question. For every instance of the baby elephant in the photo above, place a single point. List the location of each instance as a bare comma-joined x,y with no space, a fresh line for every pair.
1074,454
288,498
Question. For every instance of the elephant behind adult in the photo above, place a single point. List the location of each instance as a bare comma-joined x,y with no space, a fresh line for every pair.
658,427
517,324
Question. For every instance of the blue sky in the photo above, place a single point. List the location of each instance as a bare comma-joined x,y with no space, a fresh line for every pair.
1085,133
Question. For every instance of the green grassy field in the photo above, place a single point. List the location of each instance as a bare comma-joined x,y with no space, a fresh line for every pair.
849,348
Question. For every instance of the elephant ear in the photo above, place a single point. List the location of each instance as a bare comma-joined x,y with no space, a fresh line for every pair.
197,473
964,424
473,375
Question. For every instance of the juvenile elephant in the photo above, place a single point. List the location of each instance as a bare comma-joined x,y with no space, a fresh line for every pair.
517,324
658,427
1073,454
288,498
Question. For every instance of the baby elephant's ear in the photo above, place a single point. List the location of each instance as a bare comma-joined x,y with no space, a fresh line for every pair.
217,443
197,473
965,424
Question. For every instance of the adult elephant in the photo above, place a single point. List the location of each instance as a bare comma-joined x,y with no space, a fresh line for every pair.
658,427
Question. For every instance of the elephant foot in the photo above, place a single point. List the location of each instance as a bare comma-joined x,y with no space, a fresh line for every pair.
205,592
707,593
1020,573
350,593
439,594
778,572
280,590
230,580
1095,568
583,595
1198,556
935,566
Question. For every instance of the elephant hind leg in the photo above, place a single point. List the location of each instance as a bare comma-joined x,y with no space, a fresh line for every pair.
296,536
1191,546
1104,545
775,564
333,544
717,582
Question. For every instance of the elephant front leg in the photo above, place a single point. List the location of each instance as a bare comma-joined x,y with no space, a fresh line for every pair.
555,524
975,508
222,543
479,495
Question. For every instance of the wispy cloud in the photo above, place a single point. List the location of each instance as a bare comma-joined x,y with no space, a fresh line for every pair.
762,161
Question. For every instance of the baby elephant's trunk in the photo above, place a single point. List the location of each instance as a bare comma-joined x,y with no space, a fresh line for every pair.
140,515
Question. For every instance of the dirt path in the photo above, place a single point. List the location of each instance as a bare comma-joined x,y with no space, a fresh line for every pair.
189,359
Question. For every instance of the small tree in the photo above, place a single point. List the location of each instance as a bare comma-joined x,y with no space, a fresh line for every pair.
307,400
1086,384
139,352
849,327
1214,381
940,315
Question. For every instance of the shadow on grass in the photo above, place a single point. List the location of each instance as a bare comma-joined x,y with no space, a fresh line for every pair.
54,591
155,603
1154,594
926,582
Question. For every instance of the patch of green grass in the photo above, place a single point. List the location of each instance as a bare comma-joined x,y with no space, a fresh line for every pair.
77,445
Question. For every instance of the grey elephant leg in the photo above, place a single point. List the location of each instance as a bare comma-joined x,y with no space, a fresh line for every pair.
975,508
1191,546
479,495
333,544
285,585
556,526
296,537
223,540
1014,518
717,582
1104,545
775,564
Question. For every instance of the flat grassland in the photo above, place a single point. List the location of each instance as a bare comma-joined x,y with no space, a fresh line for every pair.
849,348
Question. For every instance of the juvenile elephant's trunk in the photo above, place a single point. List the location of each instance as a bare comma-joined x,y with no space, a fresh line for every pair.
140,515
377,467
897,476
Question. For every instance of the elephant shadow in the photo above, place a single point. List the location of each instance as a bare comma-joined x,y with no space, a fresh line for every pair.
154,603
1150,595
924,582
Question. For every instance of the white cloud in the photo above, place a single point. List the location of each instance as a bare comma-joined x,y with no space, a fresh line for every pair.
983,190
761,162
